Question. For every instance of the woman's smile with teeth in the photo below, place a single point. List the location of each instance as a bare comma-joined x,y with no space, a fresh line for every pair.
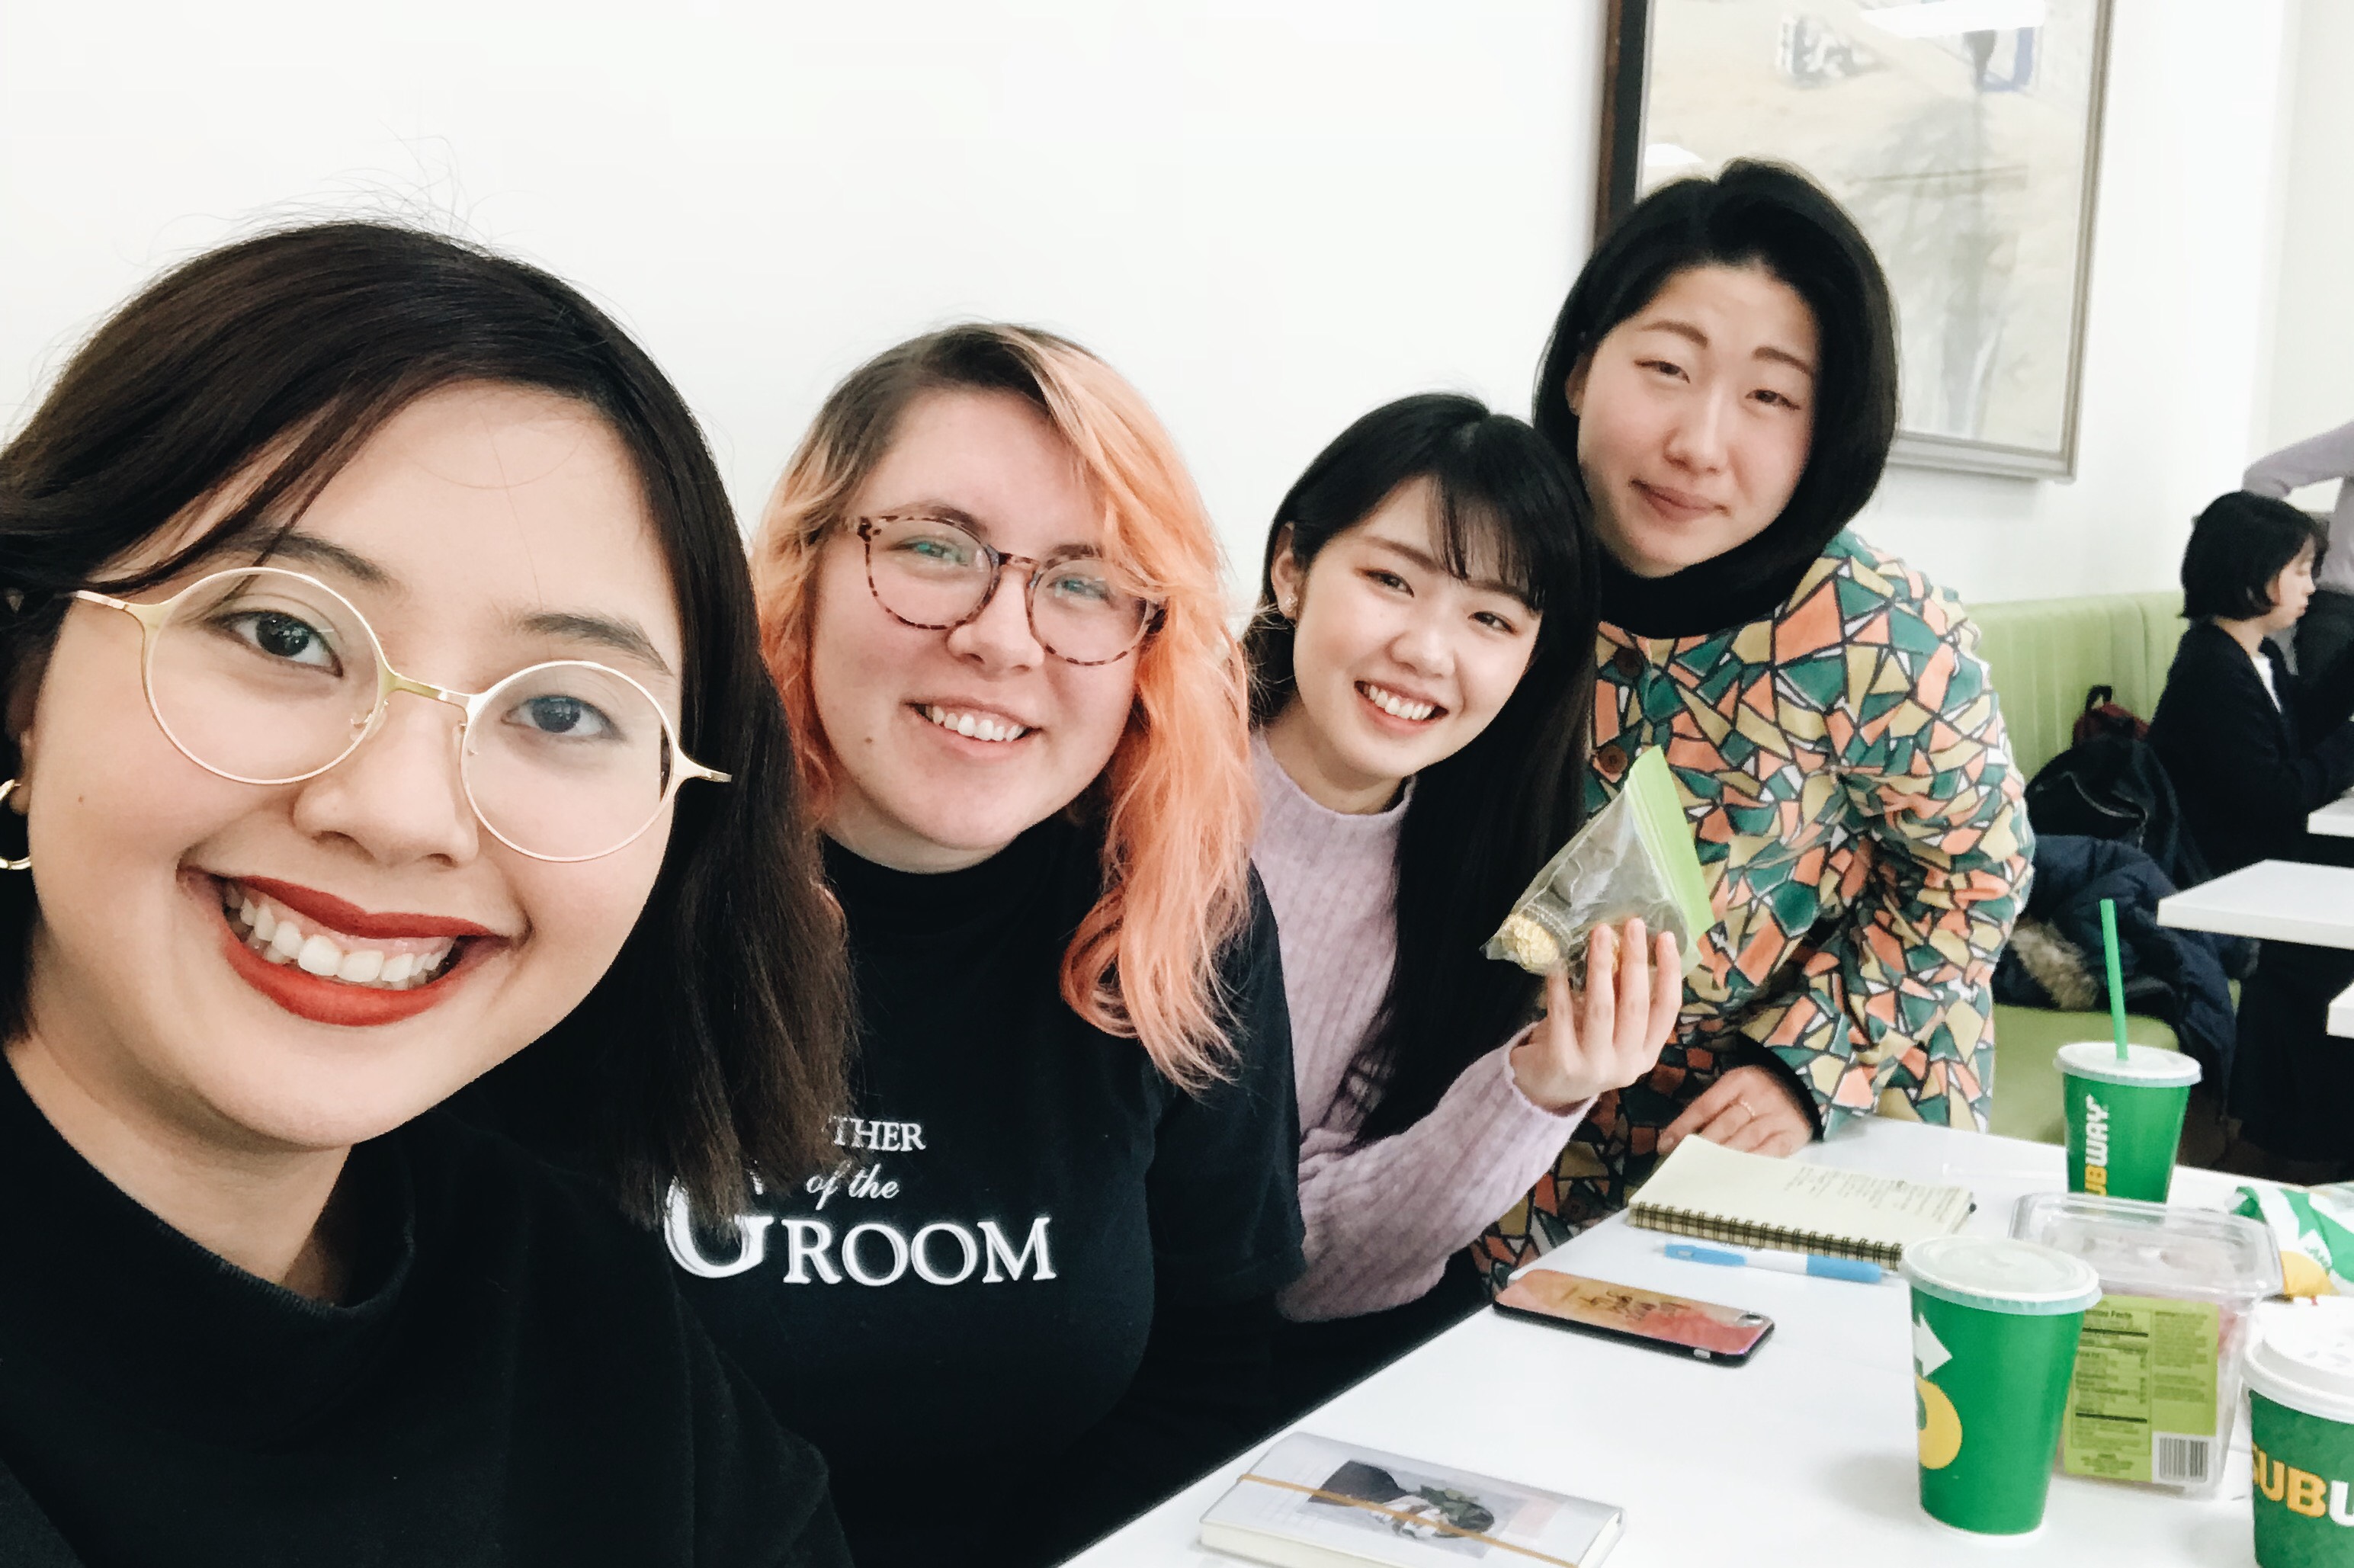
974,726
282,936
1394,705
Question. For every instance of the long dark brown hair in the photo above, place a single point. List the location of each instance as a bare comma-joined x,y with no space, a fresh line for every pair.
713,1048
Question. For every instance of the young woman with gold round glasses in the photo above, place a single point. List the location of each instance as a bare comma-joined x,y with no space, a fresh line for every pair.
364,597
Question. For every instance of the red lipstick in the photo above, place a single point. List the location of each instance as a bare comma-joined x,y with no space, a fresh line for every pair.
305,995
337,1002
353,921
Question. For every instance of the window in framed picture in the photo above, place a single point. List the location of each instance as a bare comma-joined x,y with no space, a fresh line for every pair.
1962,135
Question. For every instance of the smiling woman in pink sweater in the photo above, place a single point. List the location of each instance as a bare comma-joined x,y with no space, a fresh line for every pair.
1421,677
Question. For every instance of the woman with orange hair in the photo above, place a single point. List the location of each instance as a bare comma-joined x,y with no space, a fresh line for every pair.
1036,1290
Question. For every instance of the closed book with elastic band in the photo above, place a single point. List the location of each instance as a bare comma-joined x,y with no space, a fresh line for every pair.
1313,1502
1753,1200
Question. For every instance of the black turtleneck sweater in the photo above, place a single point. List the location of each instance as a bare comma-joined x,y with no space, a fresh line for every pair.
1037,1293
513,1381
1743,585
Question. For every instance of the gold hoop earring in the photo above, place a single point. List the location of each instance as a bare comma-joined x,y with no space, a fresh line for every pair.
8,788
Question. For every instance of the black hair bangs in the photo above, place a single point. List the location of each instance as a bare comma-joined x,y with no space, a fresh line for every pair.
1497,518
1508,509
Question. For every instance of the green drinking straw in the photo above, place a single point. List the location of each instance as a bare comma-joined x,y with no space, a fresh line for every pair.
2117,975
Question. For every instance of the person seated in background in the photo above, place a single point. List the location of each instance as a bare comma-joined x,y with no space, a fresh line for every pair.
1036,1291
2252,750
263,1304
1421,665
2327,632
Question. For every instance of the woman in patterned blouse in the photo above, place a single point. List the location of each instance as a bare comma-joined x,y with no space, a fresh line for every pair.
1724,375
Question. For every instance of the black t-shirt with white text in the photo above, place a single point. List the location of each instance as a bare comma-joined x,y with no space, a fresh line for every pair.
950,1311
510,1381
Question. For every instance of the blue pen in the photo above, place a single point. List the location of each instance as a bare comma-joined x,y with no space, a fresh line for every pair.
1780,1262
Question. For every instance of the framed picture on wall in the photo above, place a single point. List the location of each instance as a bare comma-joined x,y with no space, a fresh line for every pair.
1963,135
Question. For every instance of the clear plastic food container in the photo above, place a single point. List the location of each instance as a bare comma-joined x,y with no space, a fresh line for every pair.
2158,1380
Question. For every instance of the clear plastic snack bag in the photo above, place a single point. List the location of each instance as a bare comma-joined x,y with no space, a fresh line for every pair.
1634,857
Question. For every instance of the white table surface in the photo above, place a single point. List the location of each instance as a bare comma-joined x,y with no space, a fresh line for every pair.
2274,900
2341,1012
1806,1454
2336,820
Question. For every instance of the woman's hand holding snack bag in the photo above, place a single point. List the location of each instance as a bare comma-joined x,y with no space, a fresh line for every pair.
1609,1034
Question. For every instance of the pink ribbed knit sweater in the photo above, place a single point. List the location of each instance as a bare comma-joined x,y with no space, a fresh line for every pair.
1382,1218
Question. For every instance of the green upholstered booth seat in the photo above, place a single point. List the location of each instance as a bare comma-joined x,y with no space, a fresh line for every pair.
2044,655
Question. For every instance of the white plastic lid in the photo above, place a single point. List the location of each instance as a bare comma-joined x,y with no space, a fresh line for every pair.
2001,1275
2302,1356
2149,1066
2151,1249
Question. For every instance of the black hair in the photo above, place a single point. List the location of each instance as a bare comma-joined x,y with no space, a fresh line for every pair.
1753,215
1482,820
2238,547
712,1047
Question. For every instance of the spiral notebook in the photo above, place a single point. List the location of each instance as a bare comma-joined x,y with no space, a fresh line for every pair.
1750,1200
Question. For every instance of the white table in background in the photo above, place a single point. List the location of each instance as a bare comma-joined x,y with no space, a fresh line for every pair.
2334,821
2272,900
1804,1456
2280,901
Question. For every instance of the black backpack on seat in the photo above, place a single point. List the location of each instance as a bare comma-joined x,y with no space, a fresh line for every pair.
2111,785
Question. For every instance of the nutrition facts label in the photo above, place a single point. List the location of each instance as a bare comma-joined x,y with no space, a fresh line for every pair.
2142,1404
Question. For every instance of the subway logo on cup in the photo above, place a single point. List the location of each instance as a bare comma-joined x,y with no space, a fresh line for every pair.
2125,1117
2096,1145
2300,1491
2300,1371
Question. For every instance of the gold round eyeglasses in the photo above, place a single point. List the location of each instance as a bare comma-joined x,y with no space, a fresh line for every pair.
268,676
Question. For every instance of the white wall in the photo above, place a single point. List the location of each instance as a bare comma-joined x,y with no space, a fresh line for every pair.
2176,347
2312,374
1270,217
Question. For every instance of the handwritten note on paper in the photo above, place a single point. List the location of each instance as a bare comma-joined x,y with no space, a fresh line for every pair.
1941,1207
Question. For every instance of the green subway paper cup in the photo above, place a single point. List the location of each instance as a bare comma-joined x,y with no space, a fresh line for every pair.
2301,1426
2125,1117
1994,1341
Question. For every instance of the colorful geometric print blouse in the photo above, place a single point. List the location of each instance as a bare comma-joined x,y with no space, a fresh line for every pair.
1860,823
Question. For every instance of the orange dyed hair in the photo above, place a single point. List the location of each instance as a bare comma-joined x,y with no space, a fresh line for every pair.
1176,802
